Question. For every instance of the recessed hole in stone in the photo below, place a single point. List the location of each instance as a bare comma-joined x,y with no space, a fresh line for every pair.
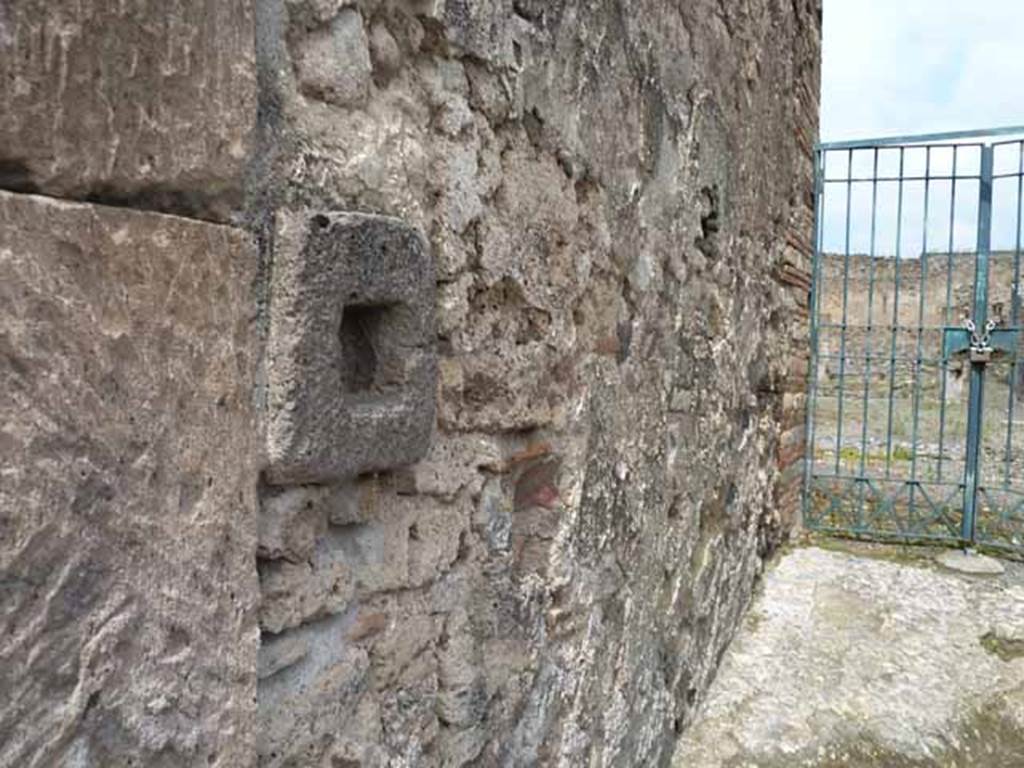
359,335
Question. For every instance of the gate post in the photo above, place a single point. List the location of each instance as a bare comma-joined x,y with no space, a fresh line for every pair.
975,413
812,308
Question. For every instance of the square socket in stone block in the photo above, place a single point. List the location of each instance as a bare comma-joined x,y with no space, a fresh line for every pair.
351,358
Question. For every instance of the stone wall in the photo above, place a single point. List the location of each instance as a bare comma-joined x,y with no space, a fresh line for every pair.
601,190
529,291
130,440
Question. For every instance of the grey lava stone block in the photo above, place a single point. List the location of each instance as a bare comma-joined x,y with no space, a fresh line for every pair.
351,367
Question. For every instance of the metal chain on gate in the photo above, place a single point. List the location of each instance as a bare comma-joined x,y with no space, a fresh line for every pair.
981,348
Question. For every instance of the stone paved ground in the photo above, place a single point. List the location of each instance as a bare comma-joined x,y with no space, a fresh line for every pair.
869,657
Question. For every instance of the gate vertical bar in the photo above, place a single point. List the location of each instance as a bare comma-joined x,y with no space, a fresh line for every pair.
894,330
919,349
869,322
845,318
946,316
1014,319
977,392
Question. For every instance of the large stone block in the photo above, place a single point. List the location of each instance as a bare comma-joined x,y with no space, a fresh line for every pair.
152,102
128,471
351,363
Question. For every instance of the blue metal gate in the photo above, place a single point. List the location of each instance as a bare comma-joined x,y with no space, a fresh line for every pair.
914,425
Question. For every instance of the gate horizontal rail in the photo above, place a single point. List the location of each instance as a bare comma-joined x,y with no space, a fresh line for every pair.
951,138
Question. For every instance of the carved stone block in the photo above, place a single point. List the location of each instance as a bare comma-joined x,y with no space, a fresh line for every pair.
147,103
128,472
351,364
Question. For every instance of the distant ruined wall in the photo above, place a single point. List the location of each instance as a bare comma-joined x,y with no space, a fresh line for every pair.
449,416
934,293
872,281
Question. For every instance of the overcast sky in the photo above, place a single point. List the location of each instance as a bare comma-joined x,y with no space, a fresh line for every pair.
903,67
894,67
